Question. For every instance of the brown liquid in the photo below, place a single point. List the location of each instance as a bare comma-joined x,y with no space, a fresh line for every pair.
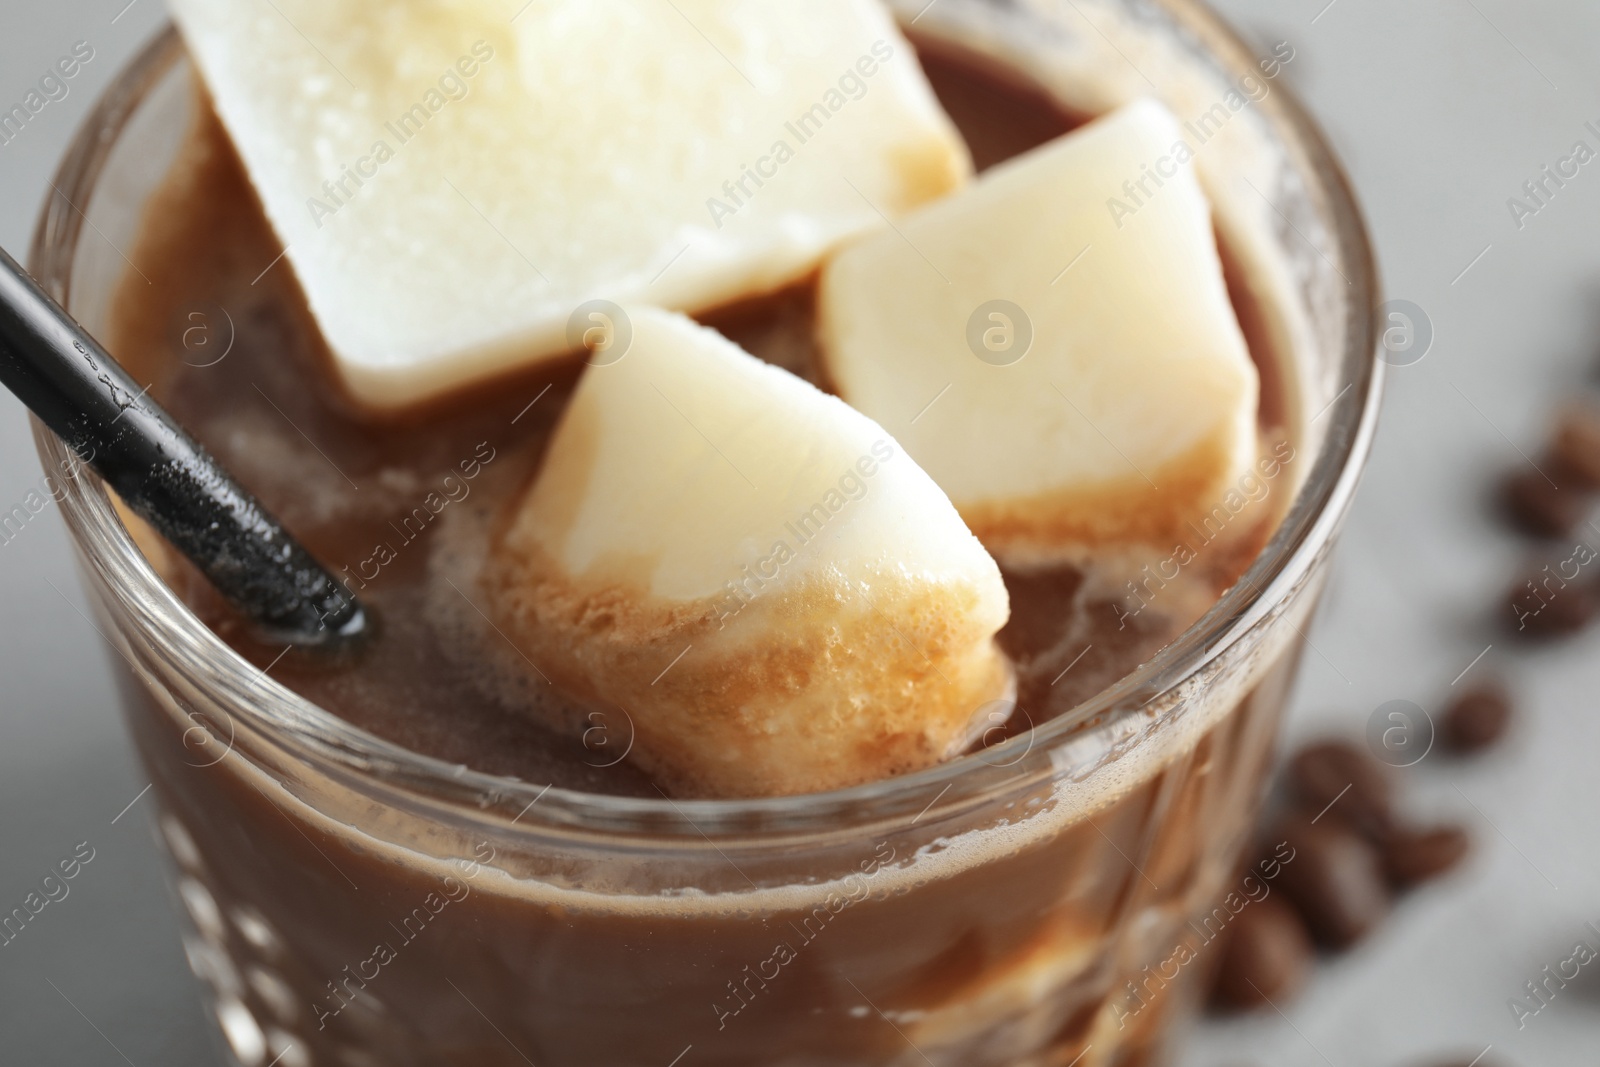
439,679
994,937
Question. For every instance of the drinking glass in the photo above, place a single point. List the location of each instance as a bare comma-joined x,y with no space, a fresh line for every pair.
1042,902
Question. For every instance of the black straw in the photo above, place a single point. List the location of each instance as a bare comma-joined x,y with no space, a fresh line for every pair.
71,383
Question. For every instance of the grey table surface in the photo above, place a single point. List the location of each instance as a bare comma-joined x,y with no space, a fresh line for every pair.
1442,109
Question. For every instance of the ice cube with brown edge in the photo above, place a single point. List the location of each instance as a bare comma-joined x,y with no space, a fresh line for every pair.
778,597
1066,365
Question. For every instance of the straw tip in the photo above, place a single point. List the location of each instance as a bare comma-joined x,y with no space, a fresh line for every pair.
335,620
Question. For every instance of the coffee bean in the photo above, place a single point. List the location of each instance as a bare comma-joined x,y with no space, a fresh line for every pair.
1543,605
1347,777
1476,719
1335,880
1577,443
1547,502
1411,857
1266,953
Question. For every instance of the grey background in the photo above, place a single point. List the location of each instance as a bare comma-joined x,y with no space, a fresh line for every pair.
1442,109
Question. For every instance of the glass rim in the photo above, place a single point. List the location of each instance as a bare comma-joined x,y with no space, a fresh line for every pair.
307,731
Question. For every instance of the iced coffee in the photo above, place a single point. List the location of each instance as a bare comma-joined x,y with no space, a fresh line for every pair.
775,658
